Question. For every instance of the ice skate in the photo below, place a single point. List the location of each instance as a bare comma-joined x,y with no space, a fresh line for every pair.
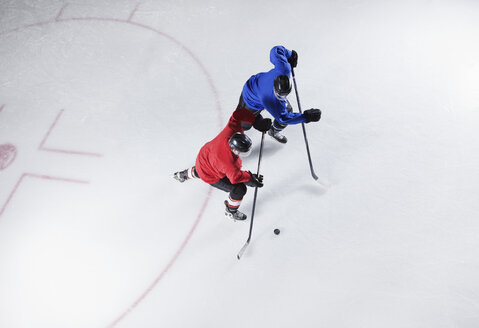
277,136
181,176
234,214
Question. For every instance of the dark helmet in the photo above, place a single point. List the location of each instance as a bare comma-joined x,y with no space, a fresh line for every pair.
240,142
282,86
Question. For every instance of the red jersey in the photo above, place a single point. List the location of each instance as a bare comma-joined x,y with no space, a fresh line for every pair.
215,159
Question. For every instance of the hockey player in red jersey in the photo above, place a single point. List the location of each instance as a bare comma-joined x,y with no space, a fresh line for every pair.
219,161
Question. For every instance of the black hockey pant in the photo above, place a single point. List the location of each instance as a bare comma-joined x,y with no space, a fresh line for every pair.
276,125
237,191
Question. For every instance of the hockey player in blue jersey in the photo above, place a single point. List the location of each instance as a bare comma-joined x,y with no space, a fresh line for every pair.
269,90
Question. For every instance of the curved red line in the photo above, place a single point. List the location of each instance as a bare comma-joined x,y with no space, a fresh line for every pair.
58,19
168,266
172,39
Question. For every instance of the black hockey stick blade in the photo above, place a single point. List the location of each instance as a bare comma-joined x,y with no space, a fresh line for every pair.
240,253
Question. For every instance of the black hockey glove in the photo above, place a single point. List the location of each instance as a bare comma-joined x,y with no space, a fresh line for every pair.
262,124
255,181
293,60
312,115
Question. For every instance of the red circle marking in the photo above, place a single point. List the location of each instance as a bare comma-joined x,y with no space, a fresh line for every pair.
8,152
58,19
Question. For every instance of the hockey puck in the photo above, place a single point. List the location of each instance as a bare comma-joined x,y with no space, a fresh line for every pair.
276,231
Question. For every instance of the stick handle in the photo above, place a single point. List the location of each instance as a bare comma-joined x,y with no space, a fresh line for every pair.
313,174
254,201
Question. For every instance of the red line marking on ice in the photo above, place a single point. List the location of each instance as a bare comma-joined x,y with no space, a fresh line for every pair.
60,13
1,107
38,176
168,266
172,39
71,152
28,26
220,124
8,153
133,13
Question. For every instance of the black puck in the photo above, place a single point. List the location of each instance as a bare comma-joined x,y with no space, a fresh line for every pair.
276,231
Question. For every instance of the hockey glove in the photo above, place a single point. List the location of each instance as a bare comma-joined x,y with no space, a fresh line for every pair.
262,124
293,60
312,115
255,181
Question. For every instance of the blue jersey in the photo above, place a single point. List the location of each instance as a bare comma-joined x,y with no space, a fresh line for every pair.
258,91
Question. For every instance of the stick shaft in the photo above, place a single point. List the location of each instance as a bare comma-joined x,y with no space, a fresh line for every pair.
254,201
313,174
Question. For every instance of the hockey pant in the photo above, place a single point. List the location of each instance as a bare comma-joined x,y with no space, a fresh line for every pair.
276,125
236,192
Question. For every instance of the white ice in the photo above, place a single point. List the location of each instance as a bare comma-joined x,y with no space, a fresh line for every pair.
102,101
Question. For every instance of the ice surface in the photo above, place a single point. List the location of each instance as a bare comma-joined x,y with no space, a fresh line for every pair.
104,100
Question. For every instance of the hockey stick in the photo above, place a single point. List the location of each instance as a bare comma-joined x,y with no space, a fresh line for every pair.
315,177
254,202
